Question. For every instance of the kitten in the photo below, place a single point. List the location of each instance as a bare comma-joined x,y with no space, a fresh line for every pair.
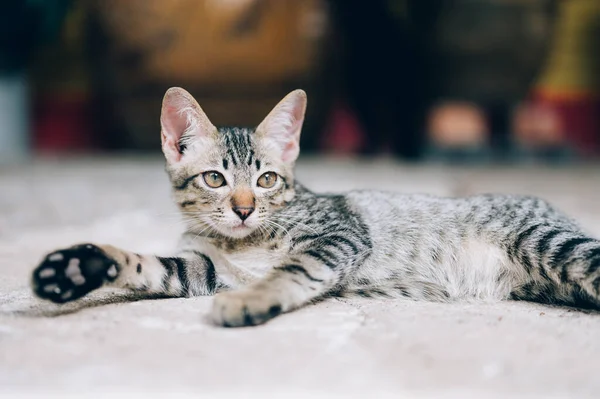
264,244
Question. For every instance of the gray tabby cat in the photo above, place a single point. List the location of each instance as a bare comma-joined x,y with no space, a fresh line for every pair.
264,244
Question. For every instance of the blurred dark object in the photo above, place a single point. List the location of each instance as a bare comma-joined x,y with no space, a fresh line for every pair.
487,52
237,58
380,73
343,134
61,90
23,25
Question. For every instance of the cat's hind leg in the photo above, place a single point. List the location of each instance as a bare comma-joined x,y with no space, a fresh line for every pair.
69,274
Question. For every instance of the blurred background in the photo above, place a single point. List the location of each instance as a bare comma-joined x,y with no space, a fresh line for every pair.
467,81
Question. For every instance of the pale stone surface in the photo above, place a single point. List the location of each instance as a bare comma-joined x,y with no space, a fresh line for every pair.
345,347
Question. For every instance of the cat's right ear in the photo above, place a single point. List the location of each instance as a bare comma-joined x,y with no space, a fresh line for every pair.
181,115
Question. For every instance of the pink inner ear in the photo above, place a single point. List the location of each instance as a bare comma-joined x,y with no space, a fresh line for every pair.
173,125
290,152
298,115
292,146
174,122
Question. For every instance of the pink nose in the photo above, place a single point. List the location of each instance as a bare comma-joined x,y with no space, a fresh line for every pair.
243,211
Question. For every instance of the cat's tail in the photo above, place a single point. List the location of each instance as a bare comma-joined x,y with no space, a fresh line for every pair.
563,264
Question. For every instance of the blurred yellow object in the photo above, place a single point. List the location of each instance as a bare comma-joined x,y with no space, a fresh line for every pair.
215,43
238,58
573,68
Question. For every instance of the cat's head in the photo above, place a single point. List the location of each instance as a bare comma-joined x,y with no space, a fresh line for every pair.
230,180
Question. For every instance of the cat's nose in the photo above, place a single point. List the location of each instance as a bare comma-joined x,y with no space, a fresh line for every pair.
243,211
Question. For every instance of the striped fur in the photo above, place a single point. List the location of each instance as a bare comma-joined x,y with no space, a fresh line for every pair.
298,246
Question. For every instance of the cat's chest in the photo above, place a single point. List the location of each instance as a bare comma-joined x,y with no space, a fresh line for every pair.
241,266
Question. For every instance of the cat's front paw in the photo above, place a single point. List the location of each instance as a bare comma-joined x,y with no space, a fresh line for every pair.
68,274
244,308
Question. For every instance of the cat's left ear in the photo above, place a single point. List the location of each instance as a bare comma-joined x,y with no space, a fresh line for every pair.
283,125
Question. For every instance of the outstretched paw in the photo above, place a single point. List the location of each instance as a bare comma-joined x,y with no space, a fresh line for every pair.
244,308
68,274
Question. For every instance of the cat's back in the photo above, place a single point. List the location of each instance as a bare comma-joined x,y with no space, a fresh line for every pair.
432,221
385,207
475,210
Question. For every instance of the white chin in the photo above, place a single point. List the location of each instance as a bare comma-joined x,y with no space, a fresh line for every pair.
238,231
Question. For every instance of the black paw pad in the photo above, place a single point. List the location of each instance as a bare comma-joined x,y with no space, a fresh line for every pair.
68,274
274,310
256,318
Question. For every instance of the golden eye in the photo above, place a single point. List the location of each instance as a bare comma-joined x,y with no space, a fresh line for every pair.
267,180
214,179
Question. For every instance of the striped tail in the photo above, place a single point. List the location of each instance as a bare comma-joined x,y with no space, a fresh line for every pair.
563,265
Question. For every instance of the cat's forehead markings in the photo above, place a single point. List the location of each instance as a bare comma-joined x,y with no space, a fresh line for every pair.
250,157
238,145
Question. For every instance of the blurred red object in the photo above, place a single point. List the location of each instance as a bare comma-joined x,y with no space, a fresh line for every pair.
579,118
343,134
62,123
536,124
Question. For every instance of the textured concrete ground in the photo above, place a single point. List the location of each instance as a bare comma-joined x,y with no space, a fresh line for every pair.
109,344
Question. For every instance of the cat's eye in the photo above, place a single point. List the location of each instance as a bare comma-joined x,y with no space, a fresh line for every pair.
267,180
214,179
